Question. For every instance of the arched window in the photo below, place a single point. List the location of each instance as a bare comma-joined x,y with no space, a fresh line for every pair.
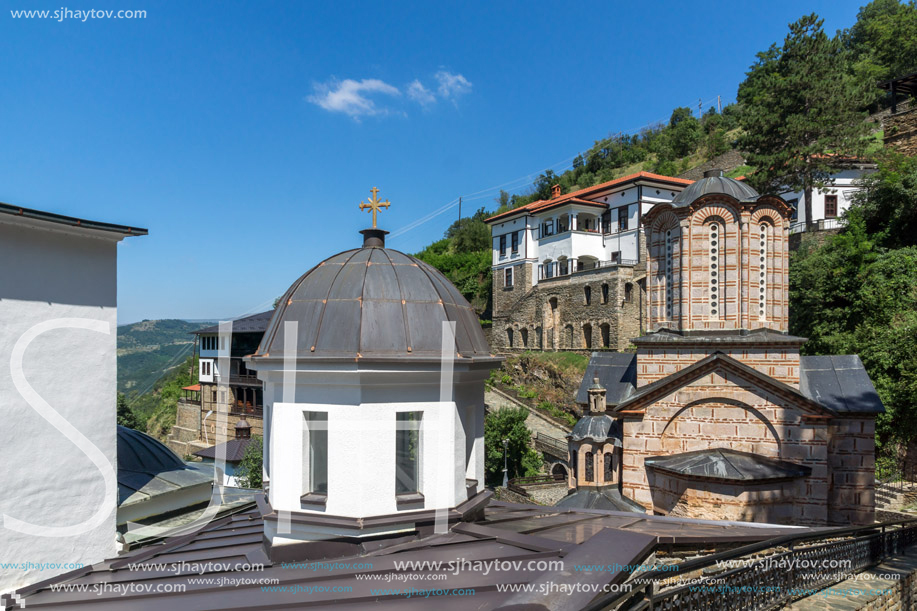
568,331
539,337
590,467
605,293
524,334
606,335
587,293
715,241
574,464
762,271
509,338
587,336
609,467
628,292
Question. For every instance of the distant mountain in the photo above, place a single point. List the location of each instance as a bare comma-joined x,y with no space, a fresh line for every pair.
149,349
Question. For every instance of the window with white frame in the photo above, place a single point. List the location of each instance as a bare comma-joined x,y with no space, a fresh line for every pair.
407,452
316,440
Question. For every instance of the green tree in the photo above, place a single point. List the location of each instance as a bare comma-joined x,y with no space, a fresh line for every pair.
522,460
126,415
250,470
684,132
888,201
801,105
883,42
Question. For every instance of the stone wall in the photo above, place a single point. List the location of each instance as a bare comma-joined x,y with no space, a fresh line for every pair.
901,131
780,363
852,464
714,414
555,315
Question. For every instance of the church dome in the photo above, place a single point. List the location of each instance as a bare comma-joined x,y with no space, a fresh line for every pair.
714,182
374,303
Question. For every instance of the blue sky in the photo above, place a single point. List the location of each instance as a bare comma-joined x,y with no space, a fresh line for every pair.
243,136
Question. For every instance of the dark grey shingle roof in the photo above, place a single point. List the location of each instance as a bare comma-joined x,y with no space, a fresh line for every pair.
728,464
616,371
235,450
839,382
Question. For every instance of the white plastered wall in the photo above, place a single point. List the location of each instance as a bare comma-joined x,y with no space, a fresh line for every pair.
48,481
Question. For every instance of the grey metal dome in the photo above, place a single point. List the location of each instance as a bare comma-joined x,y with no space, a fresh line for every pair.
714,182
597,428
141,453
374,303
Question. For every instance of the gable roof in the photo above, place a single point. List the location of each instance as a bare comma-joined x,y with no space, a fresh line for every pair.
573,195
616,371
651,393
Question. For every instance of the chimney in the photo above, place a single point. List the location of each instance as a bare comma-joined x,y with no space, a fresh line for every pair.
374,238
555,191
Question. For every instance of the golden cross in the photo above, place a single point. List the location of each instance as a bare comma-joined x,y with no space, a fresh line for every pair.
374,204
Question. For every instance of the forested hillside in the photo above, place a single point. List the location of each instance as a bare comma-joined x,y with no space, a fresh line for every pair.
802,102
150,349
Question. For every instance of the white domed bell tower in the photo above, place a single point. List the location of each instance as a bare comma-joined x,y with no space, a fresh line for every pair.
373,368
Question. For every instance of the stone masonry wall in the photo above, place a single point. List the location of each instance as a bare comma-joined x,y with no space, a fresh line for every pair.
901,132
554,315
779,363
852,463
716,412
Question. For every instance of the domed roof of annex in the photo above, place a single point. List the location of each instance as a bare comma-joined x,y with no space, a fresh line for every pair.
374,303
714,182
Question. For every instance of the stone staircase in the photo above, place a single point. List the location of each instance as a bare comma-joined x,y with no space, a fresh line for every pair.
894,497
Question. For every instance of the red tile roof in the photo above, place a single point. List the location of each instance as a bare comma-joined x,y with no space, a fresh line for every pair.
574,195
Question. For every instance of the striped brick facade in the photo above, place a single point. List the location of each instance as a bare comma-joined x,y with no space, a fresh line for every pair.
724,374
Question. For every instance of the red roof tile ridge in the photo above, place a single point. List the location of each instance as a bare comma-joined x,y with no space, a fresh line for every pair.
599,187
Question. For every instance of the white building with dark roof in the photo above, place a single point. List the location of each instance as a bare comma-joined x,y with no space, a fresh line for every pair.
58,321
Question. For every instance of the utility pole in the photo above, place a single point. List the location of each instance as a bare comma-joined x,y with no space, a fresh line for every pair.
460,207
719,106
700,108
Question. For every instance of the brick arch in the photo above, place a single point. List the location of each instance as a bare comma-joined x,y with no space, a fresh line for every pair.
696,432
766,213
665,221
727,214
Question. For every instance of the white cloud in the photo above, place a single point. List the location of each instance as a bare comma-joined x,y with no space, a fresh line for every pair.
350,96
451,85
420,94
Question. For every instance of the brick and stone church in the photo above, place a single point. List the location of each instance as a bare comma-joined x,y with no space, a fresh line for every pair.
719,415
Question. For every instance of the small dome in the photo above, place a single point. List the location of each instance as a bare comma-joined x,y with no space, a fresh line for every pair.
714,182
141,453
374,303
597,428
242,424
